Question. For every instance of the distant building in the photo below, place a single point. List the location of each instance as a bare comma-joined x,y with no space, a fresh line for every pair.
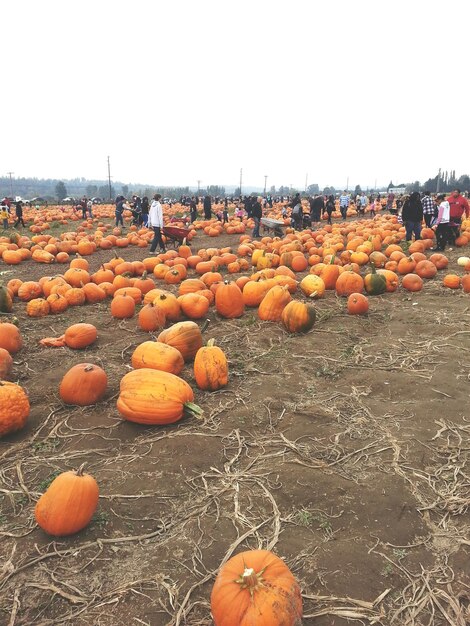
397,190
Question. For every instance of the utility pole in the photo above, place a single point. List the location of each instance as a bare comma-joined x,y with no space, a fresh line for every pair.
10,174
265,179
438,181
198,187
347,183
241,175
109,179
306,182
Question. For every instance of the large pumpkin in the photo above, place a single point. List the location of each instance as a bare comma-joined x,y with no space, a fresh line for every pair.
273,303
14,407
150,396
84,384
256,588
210,367
349,282
229,300
156,355
184,336
80,335
68,504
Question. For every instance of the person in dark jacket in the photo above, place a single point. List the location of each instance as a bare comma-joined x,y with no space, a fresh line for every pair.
317,206
412,216
330,207
193,209
297,213
256,214
145,210
207,206
19,214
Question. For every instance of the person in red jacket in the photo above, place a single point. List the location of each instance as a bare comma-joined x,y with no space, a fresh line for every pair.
458,206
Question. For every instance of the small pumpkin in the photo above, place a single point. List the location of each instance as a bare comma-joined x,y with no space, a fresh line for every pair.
357,304
6,364
10,337
149,396
256,587
452,281
349,282
84,384
6,302
68,504
312,286
298,317
210,367
375,283
14,407
38,307
412,282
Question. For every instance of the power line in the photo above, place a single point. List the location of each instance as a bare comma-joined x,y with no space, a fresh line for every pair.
10,174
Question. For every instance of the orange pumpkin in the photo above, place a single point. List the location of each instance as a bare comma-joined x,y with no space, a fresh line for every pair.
68,504
229,300
256,587
210,367
151,317
10,337
80,335
14,405
149,396
298,317
184,336
348,283
157,356
273,303
84,384
357,304
6,364
452,281
412,282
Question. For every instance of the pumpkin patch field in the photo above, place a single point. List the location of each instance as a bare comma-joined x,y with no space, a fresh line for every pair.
236,432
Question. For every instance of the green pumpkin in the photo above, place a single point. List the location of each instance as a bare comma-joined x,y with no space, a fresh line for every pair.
6,303
374,283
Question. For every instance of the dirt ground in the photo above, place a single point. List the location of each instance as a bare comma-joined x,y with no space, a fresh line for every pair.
345,451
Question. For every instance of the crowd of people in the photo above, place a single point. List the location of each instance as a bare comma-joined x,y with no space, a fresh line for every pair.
444,214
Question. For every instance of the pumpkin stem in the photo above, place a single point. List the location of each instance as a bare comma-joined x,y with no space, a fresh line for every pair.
205,325
193,410
251,580
79,472
313,294
211,343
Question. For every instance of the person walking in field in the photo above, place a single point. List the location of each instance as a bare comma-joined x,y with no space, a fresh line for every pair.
4,214
155,222
120,208
428,208
458,206
412,216
344,204
330,207
442,223
19,214
256,214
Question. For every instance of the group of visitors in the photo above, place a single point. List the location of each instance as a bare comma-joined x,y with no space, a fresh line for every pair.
5,212
442,214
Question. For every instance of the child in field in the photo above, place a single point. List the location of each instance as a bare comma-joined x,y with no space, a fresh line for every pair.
4,215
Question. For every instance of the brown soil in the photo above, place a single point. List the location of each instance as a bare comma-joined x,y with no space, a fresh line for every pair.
344,451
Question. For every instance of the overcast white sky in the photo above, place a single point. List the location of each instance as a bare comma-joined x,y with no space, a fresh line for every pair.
180,90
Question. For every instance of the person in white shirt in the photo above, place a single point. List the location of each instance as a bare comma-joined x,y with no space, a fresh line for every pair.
155,221
442,223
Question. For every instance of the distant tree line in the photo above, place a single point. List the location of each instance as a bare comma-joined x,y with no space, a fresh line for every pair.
52,189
